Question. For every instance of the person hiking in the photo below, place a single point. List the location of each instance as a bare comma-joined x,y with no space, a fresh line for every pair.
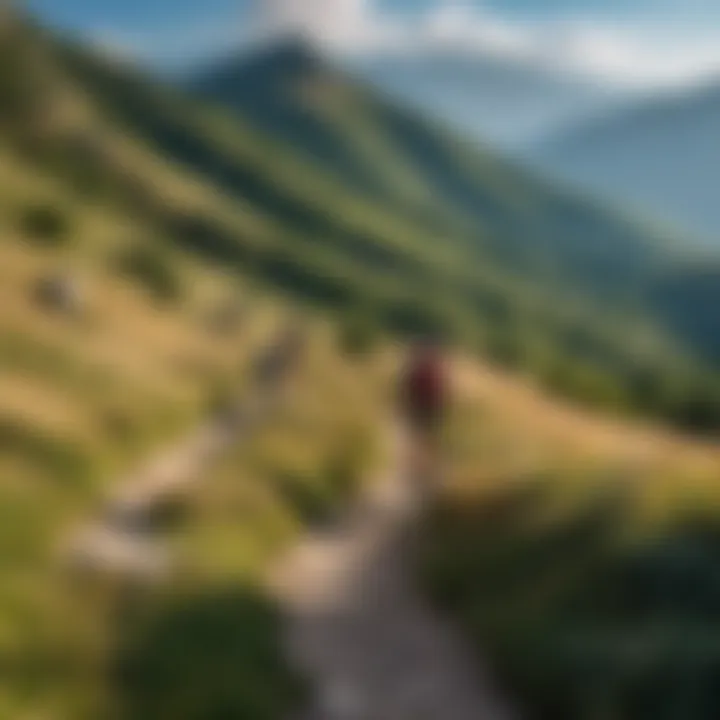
424,403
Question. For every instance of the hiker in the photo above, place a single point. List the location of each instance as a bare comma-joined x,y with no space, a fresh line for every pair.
424,401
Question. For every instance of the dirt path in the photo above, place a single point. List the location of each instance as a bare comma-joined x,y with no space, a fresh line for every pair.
358,628
125,537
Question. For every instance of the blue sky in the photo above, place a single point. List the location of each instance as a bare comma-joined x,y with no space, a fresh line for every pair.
137,14
640,41
132,12
130,15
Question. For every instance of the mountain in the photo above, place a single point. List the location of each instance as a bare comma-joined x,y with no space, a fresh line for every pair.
662,156
151,243
417,169
505,103
283,169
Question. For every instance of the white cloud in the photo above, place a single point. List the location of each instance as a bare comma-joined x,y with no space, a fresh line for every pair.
336,22
623,53
455,24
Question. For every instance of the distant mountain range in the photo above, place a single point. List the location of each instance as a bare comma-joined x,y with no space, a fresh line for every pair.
500,102
662,156
284,168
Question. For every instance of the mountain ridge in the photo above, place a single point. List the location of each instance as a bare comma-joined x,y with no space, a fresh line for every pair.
536,278
505,103
660,155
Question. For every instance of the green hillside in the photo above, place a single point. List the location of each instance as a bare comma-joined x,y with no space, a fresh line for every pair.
151,244
114,346
416,168
323,189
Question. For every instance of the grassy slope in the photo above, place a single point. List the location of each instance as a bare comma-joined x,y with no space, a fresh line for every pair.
418,169
561,544
522,269
65,378
83,400
514,252
207,642
86,398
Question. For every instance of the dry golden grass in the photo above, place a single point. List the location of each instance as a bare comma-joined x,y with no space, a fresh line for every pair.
507,430
528,412
43,405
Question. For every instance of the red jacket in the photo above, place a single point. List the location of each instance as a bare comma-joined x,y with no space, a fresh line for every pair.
426,386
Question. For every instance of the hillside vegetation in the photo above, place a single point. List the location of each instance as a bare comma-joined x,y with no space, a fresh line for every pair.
151,243
579,556
303,179
96,372
100,367
115,343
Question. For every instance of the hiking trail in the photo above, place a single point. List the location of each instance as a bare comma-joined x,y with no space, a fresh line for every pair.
124,537
358,628
356,625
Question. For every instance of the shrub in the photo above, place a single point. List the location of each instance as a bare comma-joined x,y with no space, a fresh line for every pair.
152,270
698,409
506,346
206,656
578,623
45,225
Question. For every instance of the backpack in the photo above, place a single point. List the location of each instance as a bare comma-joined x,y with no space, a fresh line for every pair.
426,385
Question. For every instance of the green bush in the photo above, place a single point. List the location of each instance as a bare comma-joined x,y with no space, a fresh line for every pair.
206,656
152,270
308,496
45,225
697,408
506,346
578,624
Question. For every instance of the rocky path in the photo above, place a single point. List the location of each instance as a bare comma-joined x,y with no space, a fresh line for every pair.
359,629
124,538
357,626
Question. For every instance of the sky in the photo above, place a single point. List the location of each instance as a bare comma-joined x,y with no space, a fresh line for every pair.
631,42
